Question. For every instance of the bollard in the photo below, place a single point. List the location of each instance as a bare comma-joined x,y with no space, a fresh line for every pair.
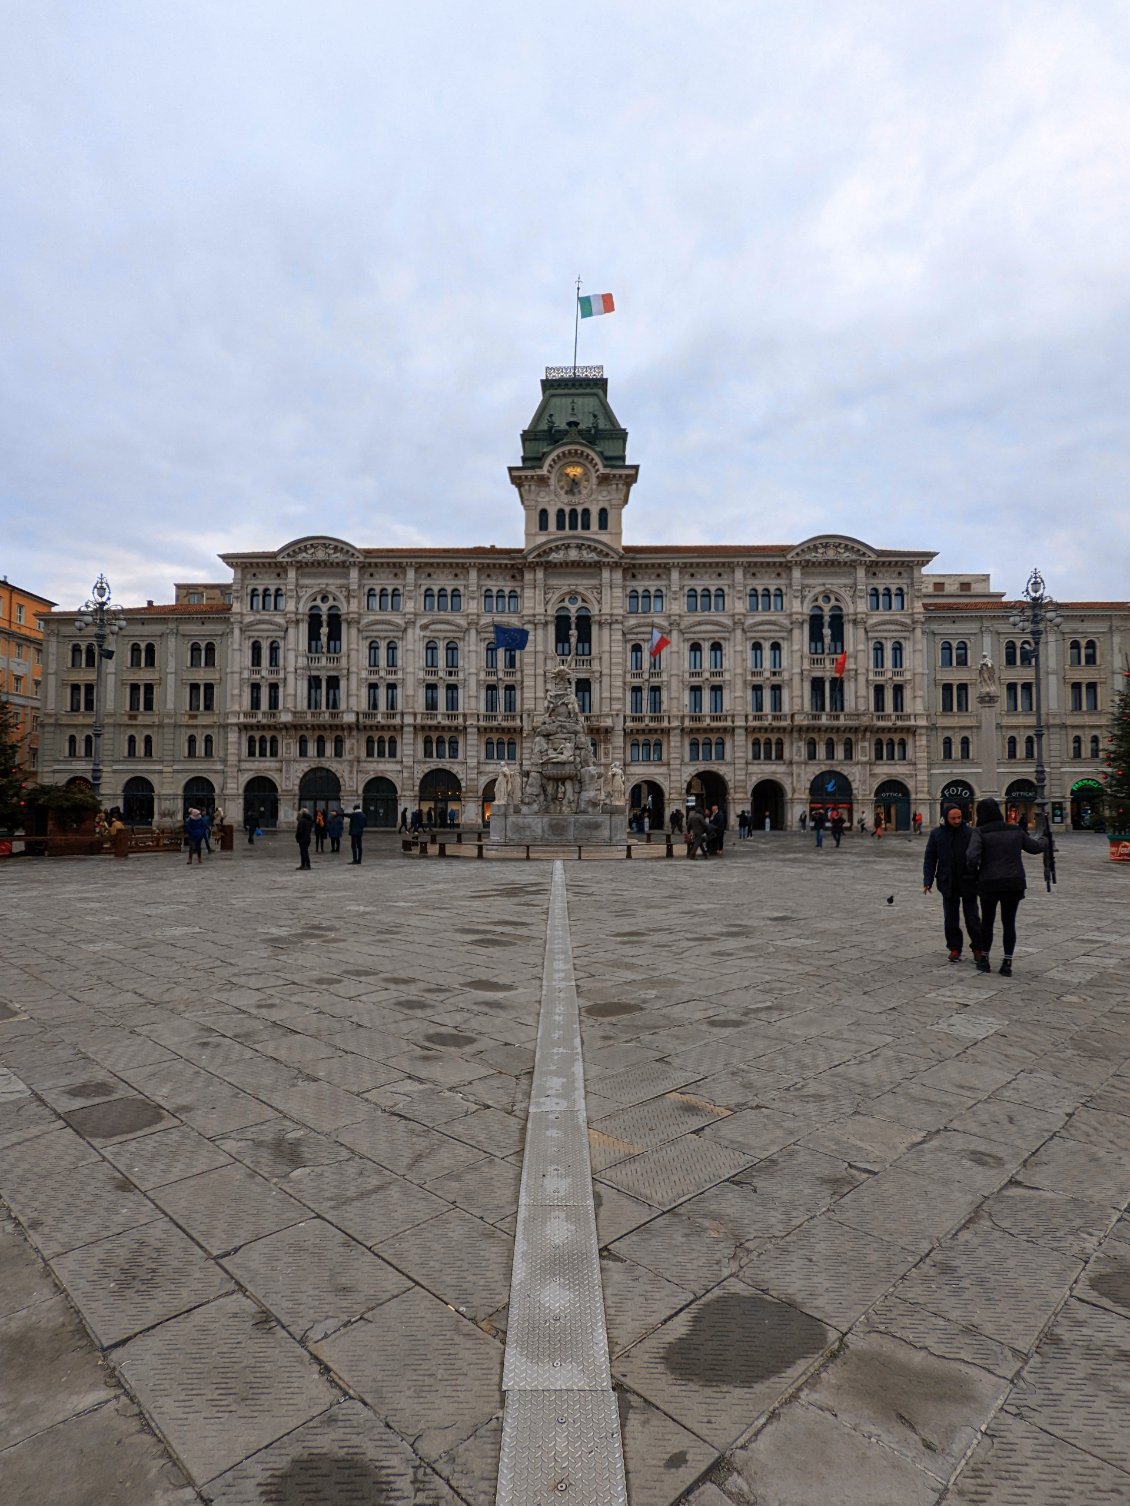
580,854
441,849
627,849
670,853
527,852
479,851
423,848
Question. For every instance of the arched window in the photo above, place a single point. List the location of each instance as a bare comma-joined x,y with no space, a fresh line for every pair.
816,631
489,751
135,656
1029,747
559,520
890,747
586,520
209,656
829,750
488,601
775,656
715,656
253,601
778,600
456,599
209,745
945,654
966,748
280,599
873,599
707,752
877,656
1077,747
573,520
543,520
849,750
251,747
584,631
76,655
263,746
635,656
836,631
511,748
370,747
256,654
810,750
766,600
947,748
779,749
1090,652
429,600
451,654
1010,652
339,746
692,600
195,656
1075,652
191,749
442,603
383,599
429,747
694,656
634,751
961,654
719,601
319,746
645,601
719,749
396,599
333,631
72,746
692,751
1010,748
391,654
756,656
274,653
1095,746
896,654
303,746
431,654
900,599
314,631
513,603
657,750
374,653
371,599
131,746
633,601
901,753
755,750
886,598
602,520
878,750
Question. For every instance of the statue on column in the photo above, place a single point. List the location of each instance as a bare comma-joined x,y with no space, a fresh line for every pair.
502,785
616,791
986,677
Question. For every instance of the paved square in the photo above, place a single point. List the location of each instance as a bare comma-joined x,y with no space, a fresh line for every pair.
268,1130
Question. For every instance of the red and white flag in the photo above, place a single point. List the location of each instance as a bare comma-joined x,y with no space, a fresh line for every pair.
659,641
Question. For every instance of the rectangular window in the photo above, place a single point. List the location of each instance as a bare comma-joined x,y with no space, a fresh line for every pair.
314,693
256,692
451,697
510,700
1026,697
333,693
716,700
490,702
272,697
374,697
758,698
148,698
636,700
776,698
816,701
898,698
19,614
390,697
696,700
655,700
879,698
835,695
583,691
947,697
962,698
431,697
135,697
1092,701
1077,695
88,697
76,697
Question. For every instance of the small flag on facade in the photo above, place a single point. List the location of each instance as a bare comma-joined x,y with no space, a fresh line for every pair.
841,665
592,304
510,637
659,641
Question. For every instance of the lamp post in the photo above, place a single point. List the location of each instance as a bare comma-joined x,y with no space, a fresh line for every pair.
105,618
1035,617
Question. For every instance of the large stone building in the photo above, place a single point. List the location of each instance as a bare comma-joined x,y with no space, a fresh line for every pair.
21,664
329,673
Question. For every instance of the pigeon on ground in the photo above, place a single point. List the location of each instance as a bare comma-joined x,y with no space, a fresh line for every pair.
890,899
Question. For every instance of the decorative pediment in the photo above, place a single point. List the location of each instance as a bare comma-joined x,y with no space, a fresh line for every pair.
832,547
319,551
574,551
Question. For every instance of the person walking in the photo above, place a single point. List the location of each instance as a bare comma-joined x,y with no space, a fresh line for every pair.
743,821
249,825
206,817
195,830
357,825
334,827
877,831
996,856
303,829
916,822
697,829
836,825
403,820
717,825
819,822
945,866
319,830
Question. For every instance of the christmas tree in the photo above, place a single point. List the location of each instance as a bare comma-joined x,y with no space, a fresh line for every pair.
11,779
1116,778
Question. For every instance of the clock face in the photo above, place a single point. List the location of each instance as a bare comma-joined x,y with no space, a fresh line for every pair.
573,480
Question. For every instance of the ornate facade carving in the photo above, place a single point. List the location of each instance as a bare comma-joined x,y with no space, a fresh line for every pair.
831,549
320,552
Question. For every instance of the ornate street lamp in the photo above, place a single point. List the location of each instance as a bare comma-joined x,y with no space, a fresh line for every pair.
106,618
1038,614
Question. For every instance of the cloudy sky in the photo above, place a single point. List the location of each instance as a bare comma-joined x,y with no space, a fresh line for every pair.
279,267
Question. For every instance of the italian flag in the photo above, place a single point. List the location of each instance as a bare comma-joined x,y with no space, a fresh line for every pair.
659,641
592,304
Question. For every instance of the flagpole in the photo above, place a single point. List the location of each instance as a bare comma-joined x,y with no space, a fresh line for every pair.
576,323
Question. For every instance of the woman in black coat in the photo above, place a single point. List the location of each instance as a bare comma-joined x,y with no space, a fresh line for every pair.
995,855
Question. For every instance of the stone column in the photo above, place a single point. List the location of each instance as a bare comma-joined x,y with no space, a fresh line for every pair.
987,703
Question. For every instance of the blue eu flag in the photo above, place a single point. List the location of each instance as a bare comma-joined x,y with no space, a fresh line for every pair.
510,637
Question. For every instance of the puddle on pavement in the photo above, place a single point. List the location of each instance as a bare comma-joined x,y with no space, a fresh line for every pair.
735,1340
120,1116
6,1012
326,978
89,1089
1113,1285
726,1024
488,986
610,1011
332,1477
451,1038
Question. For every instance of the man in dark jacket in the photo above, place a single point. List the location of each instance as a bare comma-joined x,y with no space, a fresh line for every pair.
996,857
944,864
696,829
819,822
303,829
357,825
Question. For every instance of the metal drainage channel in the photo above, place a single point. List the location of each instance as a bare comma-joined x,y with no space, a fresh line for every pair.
561,1429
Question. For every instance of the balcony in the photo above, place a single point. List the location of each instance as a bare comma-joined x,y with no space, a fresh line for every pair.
380,716
260,716
321,661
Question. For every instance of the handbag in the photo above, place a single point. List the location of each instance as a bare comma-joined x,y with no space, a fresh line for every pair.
258,831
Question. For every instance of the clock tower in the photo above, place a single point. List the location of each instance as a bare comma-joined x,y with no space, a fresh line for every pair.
574,478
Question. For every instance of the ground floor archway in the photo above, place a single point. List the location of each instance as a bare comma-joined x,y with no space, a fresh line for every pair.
1087,806
199,794
958,792
707,788
892,802
647,803
831,791
1020,801
767,798
441,797
487,800
379,801
137,802
319,790
261,801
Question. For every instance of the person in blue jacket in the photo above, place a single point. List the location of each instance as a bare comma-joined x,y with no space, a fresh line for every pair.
195,829
335,826
357,825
